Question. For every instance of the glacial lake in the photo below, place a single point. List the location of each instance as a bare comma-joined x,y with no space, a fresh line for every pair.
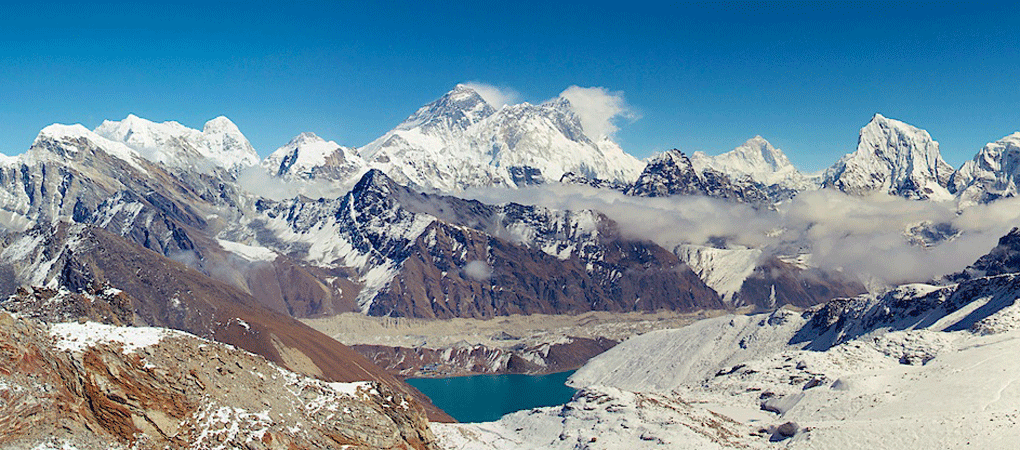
485,398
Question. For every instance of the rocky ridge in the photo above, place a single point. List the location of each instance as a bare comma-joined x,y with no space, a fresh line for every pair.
87,385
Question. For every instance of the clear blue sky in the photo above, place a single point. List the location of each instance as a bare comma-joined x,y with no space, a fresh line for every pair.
702,76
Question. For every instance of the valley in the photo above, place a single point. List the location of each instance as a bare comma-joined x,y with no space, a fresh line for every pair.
533,344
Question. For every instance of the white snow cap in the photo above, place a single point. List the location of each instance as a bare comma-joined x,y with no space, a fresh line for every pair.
460,141
220,143
895,158
758,159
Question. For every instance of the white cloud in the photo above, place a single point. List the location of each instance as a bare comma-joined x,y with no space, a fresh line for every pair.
258,181
494,95
478,270
598,109
863,236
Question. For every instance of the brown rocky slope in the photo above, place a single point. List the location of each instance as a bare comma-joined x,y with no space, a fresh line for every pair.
157,291
93,386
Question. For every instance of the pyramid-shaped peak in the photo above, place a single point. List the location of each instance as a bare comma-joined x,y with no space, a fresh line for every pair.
305,137
462,94
374,180
760,147
220,124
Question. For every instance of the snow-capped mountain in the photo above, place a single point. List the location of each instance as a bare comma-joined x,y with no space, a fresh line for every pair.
460,141
893,158
757,159
433,256
672,173
308,156
992,174
219,144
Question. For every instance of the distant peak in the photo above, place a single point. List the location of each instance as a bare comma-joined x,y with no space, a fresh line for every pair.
462,92
758,142
673,155
878,117
59,130
220,123
373,180
305,137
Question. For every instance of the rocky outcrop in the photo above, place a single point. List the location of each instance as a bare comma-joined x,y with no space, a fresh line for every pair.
92,386
672,173
775,283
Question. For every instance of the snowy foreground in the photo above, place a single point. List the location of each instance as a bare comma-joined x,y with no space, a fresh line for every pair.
733,382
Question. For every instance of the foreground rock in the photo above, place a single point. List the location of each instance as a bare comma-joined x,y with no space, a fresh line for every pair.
88,385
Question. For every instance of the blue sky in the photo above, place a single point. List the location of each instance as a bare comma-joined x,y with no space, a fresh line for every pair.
699,76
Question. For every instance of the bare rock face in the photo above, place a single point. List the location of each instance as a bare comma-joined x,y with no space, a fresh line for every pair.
434,256
89,385
774,283
673,173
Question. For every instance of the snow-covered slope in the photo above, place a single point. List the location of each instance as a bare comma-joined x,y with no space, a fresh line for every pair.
308,156
893,158
460,141
920,366
722,269
993,173
757,159
219,144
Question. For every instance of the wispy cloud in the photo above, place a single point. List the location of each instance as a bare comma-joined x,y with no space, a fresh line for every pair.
494,95
599,109
258,181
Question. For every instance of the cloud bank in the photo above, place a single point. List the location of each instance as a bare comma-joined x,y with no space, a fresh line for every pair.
598,109
864,236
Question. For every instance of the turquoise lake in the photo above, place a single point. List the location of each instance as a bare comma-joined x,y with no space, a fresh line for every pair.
484,398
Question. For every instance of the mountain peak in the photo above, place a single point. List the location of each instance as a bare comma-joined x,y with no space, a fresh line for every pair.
220,124
309,156
453,112
892,157
176,145
374,180
992,174
755,158
305,138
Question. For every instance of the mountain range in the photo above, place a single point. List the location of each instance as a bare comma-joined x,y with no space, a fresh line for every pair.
149,224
